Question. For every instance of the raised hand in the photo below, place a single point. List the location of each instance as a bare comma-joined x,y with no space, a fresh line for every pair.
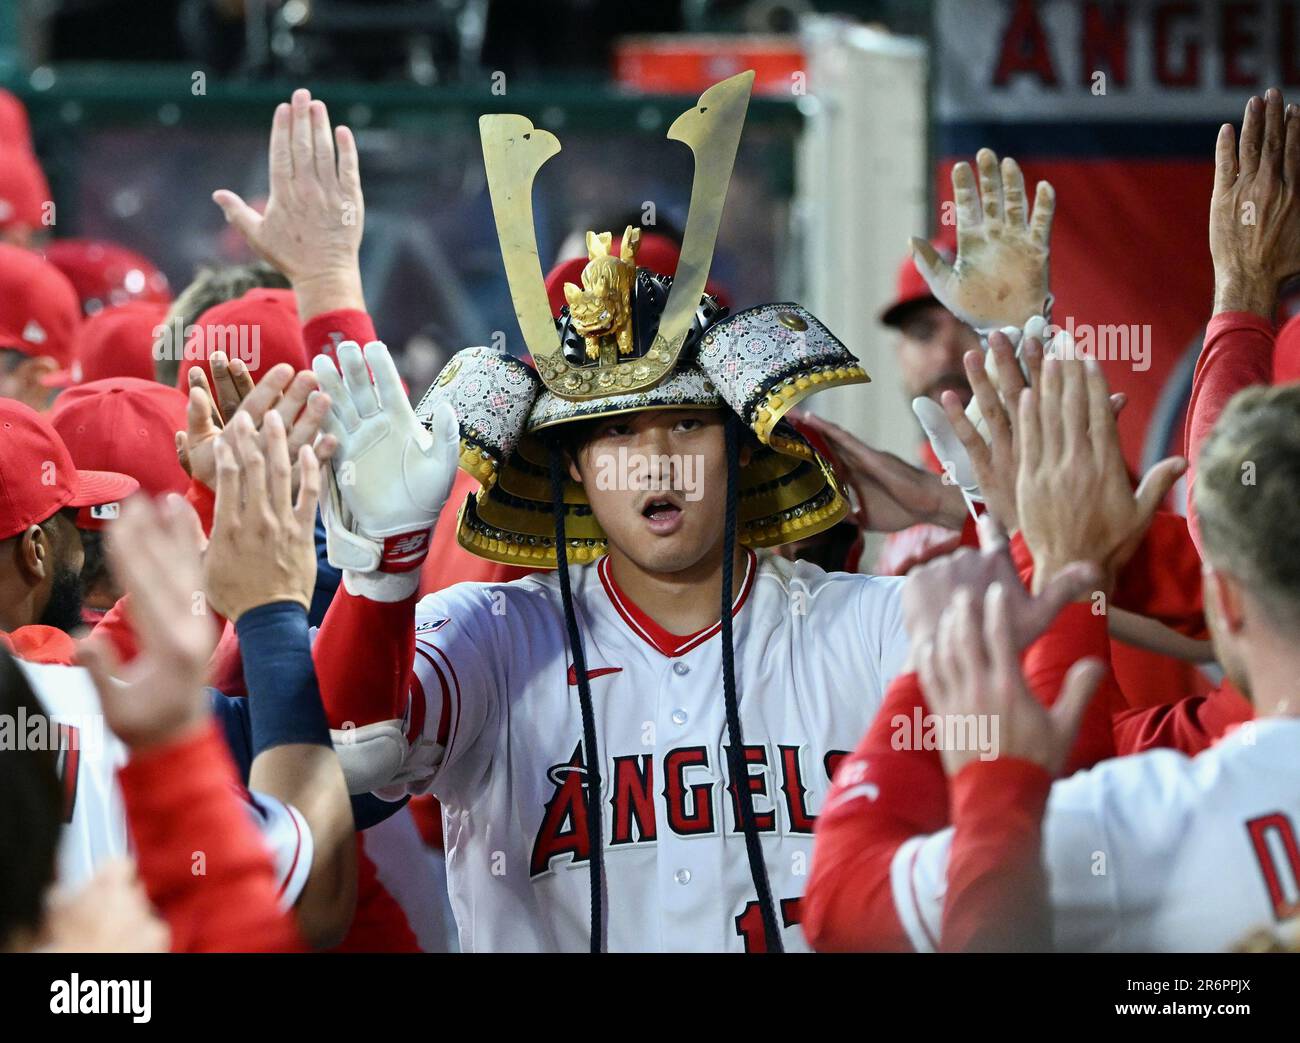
263,546
976,443
296,397
311,229
929,587
1072,488
1000,277
154,552
1255,207
390,477
972,667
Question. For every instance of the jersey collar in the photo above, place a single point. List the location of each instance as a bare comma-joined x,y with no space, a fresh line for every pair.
670,645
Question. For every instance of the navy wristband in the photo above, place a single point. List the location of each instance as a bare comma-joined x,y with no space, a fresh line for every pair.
284,698
232,714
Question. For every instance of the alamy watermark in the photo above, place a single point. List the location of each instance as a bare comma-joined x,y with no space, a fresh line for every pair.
972,732
653,472
178,342
1115,342
21,731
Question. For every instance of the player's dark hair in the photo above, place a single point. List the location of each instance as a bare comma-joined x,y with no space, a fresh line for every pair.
31,812
572,437
11,358
591,752
737,763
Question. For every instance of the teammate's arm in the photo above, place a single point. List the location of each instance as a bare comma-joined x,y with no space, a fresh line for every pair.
179,785
260,572
311,230
1255,175
1162,579
1189,725
312,225
881,796
997,890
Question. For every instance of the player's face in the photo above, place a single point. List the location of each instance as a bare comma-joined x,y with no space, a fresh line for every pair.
931,344
657,484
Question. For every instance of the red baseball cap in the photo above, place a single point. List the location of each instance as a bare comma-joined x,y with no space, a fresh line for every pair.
261,327
37,476
15,128
910,288
24,191
127,425
115,342
657,252
23,188
39,312
105,273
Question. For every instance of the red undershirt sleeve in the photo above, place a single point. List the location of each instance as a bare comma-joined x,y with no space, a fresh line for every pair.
1162,580
881,796
1077,633
997,899
323,333
1189,725
363,655
1238,353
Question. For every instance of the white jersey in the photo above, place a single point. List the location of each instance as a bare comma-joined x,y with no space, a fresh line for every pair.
496,704
1156,852
89,756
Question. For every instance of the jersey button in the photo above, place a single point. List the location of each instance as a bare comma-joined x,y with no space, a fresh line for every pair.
681,669
682,876
680,717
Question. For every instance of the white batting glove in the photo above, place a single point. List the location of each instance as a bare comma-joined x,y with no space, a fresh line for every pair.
376,758
939,430
947,447
390,477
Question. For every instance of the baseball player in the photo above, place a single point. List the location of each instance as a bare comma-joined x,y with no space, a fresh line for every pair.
585,729
622,765
1152,852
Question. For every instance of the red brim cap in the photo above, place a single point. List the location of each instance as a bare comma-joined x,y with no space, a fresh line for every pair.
95,488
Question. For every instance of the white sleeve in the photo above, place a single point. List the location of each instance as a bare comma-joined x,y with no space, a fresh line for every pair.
918,877
1110,840
287,835
456,686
